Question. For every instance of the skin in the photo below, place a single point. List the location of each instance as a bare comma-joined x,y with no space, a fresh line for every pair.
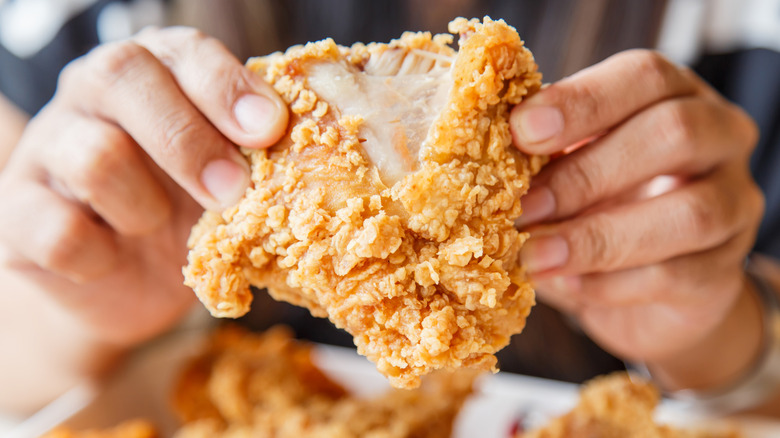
100,192
640,230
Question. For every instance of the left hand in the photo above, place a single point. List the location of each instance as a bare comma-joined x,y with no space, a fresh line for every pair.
641,233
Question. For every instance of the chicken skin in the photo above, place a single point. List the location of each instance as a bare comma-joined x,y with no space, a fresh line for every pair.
390,205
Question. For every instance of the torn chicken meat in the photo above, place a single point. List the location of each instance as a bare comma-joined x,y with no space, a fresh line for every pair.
389,207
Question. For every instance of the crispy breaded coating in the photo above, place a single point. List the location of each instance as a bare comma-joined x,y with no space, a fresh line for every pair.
618,406
265,385
390,206
239,372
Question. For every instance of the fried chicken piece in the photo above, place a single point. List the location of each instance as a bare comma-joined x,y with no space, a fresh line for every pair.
389,207
127,429
618,406
265,385
239,372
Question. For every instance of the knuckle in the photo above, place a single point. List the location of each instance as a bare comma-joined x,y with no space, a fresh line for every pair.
577,182
66,244
591,99
150,31
98,170
185,33
173,43
756,201
702,214
71,73
114,61
653,70
179,41
228,74
752,132
677,127
176,132
101,162
760,201
596,244
746,128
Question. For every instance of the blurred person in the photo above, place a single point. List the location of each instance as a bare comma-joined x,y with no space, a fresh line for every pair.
639,234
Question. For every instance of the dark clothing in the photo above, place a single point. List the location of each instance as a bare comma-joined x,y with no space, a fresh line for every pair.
565,35
751,79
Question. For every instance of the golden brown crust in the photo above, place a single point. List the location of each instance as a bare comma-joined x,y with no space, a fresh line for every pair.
618,406
240,372
265,385
424,272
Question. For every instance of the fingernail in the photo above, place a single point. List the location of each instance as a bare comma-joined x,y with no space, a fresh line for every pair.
225,180
537,124
559,285
538,204
255,113
544,253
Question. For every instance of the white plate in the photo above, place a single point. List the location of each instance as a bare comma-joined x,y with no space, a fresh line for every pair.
141,390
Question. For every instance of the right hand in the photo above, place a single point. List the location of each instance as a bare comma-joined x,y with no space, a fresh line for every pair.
98,198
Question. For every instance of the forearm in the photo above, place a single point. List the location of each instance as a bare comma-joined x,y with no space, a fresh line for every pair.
730,352
47,351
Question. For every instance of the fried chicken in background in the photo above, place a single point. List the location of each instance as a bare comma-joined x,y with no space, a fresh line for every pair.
239,371
127,429
390,206
265,385
617,406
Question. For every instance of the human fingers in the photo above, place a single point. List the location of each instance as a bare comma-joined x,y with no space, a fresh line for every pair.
124,83
100,165
595,100
699,215
656,309
53,232
692,280
237,101
683,137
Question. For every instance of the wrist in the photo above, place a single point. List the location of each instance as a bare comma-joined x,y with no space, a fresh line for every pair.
722,356
737,366
52,350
